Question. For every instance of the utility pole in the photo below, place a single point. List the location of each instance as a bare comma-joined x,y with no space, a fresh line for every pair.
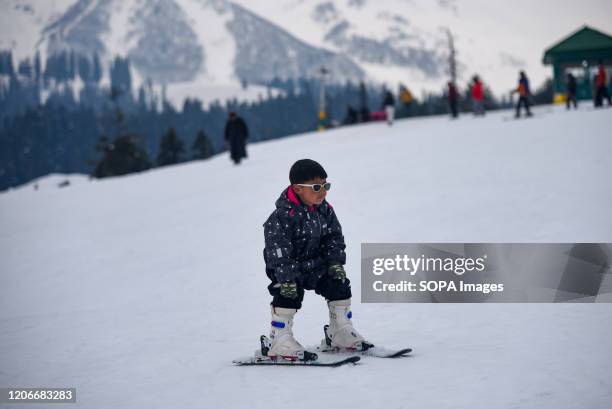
322,111
452,57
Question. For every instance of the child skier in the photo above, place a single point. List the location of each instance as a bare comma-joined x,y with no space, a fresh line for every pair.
305,251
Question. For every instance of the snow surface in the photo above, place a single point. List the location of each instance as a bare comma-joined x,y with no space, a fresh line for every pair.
53,181
140,290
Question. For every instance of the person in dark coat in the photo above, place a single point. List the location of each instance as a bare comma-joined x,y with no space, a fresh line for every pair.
351,116
453,98
236,134
304,250
570,97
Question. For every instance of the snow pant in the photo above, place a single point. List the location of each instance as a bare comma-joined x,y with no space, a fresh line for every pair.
602,92
330,288
390,111
478,107
571,99
522,102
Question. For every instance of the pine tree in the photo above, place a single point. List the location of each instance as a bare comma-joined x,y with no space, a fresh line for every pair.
84,68
364,110
97,69
120,157
170,149
6,63
25,68
120,75
72,65
452,57
202,147
37,67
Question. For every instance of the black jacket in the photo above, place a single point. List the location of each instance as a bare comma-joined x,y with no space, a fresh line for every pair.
236,133
389,100
301,241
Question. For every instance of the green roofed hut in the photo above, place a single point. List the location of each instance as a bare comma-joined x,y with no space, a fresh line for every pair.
579,54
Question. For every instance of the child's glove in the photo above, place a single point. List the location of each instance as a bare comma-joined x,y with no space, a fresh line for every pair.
337,272
289,290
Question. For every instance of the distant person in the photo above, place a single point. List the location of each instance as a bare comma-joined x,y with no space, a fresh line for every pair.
601,86
236,134
405,95
364,114
351,116
570,97
453,99
478,96
406,99
523,94
389,107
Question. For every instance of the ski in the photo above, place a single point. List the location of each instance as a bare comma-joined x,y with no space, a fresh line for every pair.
366,350
305,358
374,351
324,361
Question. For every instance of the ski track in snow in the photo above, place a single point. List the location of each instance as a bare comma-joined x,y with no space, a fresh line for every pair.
140,290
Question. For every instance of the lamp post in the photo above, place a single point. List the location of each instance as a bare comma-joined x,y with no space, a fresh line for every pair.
322,112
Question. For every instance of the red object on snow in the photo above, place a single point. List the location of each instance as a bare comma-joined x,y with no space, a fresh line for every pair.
378,116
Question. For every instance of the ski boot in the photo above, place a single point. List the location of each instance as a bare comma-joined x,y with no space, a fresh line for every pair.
340,335
281,344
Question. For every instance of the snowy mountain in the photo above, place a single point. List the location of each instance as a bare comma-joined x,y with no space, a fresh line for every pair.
385,37
191,43
406,40
208,48
140,290
178,40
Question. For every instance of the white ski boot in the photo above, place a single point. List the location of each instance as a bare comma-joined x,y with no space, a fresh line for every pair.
340,333
281,343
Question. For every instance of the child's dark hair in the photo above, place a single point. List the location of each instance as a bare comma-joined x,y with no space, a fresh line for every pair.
304,170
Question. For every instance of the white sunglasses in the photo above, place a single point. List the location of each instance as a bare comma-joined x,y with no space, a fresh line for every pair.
317,187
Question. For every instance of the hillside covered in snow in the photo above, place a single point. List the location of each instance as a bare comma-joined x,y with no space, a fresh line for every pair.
213,47
140,290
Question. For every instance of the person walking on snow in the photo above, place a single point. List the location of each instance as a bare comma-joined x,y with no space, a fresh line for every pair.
304,250
523,93
570,97
478,96
389,107
236,133
601,86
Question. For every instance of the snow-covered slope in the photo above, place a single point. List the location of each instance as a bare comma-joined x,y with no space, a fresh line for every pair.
140,290
22,22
